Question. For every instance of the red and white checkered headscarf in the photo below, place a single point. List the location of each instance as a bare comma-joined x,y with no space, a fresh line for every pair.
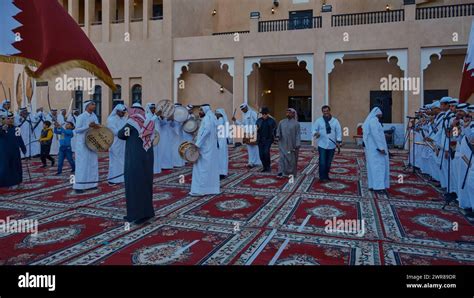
146,128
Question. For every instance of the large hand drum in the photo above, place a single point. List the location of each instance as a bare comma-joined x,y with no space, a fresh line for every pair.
191,126
167,107
181,114
99,139
156,140
189,152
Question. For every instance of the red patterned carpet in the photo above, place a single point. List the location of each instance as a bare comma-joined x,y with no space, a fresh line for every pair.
258,219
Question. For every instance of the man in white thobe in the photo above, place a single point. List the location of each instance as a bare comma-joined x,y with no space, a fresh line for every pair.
177,140
150,115
53,118
205,179
376,152
223,144
116,122
26,123
249,120
166,138
87,162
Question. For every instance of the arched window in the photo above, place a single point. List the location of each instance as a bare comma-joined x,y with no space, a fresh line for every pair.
137,94
97,97
117,96
78,98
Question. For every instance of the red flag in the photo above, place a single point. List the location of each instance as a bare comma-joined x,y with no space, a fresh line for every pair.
47,37
467,85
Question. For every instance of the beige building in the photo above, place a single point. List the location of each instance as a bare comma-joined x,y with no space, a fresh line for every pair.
272,53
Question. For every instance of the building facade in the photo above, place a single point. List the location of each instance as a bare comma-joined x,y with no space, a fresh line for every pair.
350,54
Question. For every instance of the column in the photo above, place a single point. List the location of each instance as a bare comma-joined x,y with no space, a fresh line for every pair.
73,9
88,15
128,15
147,11
108,11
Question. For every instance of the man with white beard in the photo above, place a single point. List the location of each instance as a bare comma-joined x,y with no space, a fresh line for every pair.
376,152
115,122
150,115
223,144
205,178
73,118
53,118
249,120
87,162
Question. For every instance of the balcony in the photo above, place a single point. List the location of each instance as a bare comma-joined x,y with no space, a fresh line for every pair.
290,24
448,11
366,18
230,33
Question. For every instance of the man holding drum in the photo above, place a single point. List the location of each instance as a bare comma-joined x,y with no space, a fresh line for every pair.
249,120
205,179
115,122
87,163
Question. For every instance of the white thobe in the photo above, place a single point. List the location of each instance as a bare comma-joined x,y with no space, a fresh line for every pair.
157,150
249,119
87,163
177,140
27,134
378,164
205,179
223,152
117,150
165,145
55,141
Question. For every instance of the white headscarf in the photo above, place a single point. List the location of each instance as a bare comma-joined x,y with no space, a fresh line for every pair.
113,115
86,103
365,127
294,112
148,112
223,113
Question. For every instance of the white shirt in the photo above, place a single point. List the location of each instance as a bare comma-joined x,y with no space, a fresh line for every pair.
327,141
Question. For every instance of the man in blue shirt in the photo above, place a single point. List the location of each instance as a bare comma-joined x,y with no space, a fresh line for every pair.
328,130
65,150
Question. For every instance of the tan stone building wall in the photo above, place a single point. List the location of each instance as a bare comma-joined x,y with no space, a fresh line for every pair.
152,51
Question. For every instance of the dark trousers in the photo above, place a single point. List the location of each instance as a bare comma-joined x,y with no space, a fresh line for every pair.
65,152
264,152
45,149
325,160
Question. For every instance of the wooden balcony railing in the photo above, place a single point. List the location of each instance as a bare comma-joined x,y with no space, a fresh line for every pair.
290,24
365,18
231,33
447,11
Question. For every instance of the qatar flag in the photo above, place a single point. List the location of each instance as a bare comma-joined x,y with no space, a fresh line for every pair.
467,85
42,34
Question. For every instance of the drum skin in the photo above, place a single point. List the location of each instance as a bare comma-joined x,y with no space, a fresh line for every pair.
167,107
99,139
180,114
189,152
190,126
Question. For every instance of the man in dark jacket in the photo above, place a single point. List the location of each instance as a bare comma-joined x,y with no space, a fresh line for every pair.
11,174
266,127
